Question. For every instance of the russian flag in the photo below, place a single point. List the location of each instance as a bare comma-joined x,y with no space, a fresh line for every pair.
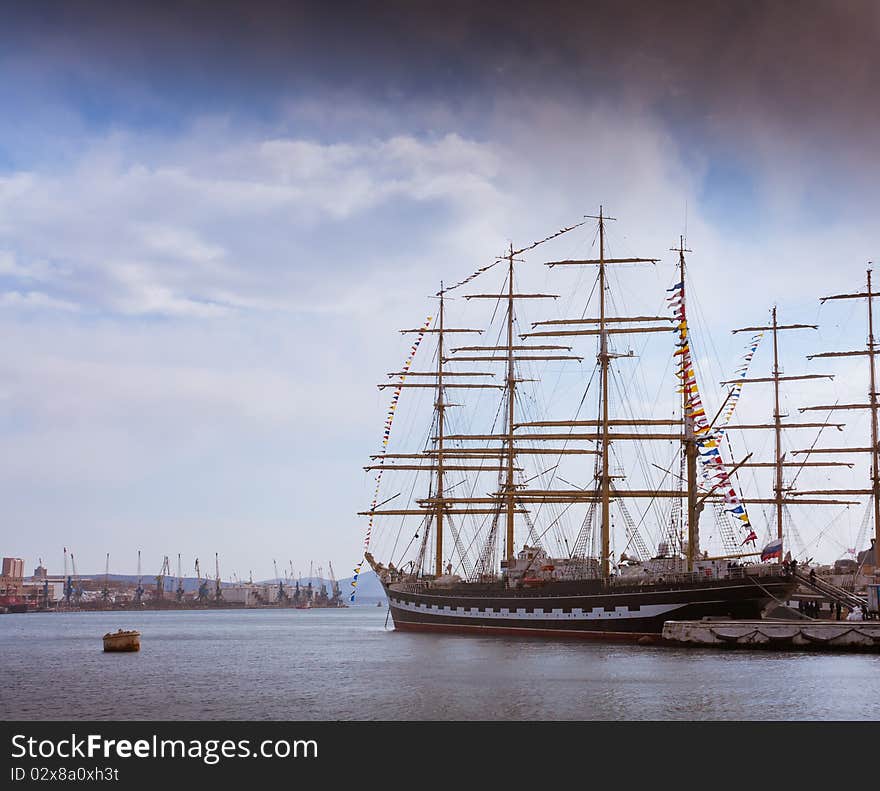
772,550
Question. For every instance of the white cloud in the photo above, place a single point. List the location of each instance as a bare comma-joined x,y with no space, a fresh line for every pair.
35,300
225,228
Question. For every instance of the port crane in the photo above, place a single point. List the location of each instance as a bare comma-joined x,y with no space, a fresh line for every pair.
139,590
77,583
45,586
203,595
68,581
322,593
282,594
218,593
105,591
179,590
292,582
160,578
336,597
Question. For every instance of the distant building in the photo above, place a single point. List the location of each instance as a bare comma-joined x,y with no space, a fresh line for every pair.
251,595
40,572
13,568
10,582
43,593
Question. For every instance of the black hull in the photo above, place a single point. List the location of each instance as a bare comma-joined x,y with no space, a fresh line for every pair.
580,610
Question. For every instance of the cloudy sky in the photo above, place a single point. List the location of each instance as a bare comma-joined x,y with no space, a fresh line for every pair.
214,216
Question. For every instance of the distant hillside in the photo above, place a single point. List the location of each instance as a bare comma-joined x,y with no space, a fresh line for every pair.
368,586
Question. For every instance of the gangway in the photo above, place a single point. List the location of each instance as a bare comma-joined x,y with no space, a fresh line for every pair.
829,591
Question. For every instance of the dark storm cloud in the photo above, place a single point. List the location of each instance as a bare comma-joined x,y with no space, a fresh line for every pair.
807,66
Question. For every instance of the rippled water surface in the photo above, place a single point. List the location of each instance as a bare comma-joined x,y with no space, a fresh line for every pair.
345,665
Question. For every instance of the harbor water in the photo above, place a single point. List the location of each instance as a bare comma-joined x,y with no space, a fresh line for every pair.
345,664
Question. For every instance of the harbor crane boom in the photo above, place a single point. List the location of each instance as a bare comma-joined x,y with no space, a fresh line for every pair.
105,591
179,580
203,594
68,581
217,588
139,591
336,594
160,578
77,584
282,594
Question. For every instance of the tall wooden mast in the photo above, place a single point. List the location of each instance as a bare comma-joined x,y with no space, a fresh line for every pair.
442,459
870,352
875,463
780,492
440,406
435,460
605,482
689,440
507,496
604,357
511,394
777,428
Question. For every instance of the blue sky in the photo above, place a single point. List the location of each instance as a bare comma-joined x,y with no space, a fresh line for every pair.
214,216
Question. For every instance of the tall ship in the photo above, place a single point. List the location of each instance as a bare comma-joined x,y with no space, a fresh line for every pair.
569,480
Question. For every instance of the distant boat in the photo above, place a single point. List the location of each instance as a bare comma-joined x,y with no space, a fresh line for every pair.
122,641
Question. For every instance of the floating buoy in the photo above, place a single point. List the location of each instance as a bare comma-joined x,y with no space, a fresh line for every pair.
122,640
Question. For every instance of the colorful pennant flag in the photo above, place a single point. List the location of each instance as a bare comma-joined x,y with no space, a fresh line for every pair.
386,436
707,439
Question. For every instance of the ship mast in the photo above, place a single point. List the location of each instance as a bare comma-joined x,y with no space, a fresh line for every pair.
511,393
507,492
875,463
435,460
870,352
604,356
443,459
689,440
780,492
440,406
605,481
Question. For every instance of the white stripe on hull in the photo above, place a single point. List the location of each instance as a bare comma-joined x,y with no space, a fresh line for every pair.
520,614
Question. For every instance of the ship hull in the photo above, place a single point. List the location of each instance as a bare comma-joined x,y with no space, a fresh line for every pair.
587,611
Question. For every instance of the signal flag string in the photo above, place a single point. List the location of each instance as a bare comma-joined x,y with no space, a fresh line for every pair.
386,435
707,440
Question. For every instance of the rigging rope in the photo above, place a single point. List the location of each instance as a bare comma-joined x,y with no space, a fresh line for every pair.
532,246
386,435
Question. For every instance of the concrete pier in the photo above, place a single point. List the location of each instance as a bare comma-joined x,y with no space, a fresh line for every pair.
795,634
